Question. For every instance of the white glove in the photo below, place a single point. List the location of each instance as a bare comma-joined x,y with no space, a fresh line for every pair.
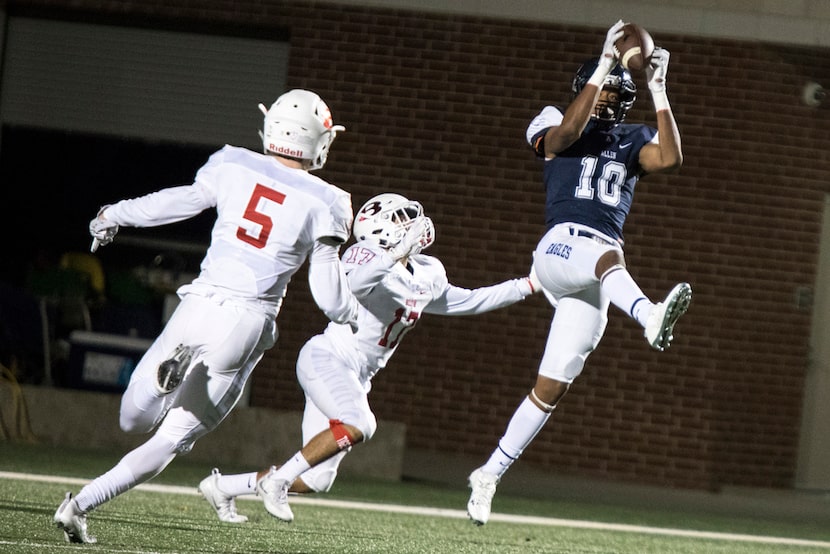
608,59
353,325
656,70
421,233
535,283
103,231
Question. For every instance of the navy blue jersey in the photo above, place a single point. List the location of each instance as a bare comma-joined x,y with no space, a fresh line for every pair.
592,181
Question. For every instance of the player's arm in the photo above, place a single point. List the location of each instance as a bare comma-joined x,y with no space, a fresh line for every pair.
328,284
366,267
578,113
666,154
460,301
158,208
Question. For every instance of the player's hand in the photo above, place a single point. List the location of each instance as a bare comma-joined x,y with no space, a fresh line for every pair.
103,231
353,325
656,70
608,59
419,235
535,283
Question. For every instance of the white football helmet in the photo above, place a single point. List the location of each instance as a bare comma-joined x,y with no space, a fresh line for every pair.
385,219
299,125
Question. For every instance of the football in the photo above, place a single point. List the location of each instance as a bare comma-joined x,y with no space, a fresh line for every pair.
635,47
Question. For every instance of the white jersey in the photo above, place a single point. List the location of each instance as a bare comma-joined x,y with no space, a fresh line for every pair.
268,219
393,297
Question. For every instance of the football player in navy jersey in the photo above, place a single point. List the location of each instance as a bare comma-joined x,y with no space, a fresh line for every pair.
592,161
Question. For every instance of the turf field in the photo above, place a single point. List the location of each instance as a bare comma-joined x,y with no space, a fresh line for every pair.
360,516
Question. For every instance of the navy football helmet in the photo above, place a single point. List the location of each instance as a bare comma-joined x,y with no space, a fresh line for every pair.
611,113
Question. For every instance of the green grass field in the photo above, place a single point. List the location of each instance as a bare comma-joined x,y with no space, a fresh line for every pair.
359,516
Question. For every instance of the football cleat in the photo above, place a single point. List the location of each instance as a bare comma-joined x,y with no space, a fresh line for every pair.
172,370
665,314
72,521
274,494
224,504
484,487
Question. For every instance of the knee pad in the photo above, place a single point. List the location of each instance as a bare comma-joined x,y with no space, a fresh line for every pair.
364,420
564,360
320,478
369,428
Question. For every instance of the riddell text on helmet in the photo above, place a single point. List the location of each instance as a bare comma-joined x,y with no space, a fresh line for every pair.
286,151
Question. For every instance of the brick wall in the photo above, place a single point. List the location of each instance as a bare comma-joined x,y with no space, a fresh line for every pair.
435,108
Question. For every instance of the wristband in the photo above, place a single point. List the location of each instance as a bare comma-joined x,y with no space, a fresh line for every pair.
661,101
598,76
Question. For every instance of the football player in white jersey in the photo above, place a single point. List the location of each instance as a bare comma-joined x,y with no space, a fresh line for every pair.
272,215
395,285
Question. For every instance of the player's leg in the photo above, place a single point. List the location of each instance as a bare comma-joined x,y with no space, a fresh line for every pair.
139,465
232,356
333,385
141,409
231,348
144,403
320,477
658,320
620,286
575,332
220,490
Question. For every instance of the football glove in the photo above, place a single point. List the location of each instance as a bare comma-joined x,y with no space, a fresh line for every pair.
535,283
353,325
608,58
656,70
103,231
421,233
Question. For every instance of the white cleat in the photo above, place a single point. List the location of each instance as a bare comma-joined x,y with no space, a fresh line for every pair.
665,314
274,494
72,521
224,504
484,487
172,370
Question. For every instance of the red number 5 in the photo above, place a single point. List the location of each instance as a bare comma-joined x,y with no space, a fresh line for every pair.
251,214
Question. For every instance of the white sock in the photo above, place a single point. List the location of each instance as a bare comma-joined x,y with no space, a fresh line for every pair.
235,485
525,424
626,294
137,466
293,468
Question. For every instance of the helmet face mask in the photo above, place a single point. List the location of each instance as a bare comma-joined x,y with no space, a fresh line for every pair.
618,83
298,125
386,218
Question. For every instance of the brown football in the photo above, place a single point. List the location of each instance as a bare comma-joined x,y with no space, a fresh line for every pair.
635,47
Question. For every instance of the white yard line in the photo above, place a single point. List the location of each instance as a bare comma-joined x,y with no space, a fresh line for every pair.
458,514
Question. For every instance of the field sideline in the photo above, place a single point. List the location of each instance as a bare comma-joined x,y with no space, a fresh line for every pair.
434,512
